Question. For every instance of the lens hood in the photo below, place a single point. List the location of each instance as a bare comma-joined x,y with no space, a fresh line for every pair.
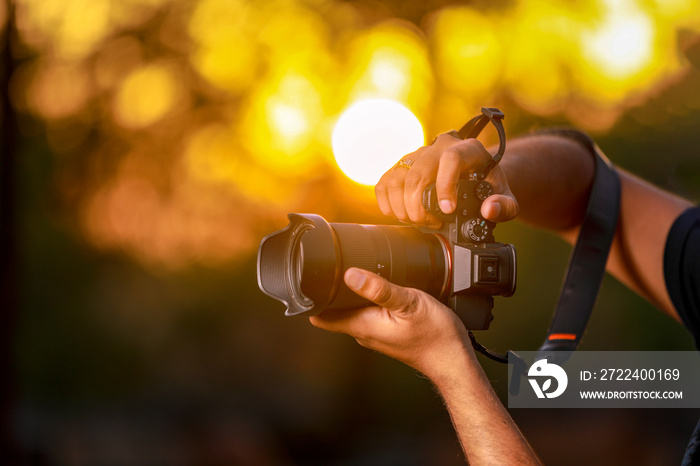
303,264
282,259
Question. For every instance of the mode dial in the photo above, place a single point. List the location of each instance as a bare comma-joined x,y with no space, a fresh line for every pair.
476,229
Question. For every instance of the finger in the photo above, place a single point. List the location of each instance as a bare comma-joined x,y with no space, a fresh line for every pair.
382,194
395,191
363,321
379,290
467,155
447,178
417,179
421,175
500,208
339,320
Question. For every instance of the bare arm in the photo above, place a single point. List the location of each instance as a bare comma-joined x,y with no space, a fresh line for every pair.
566,169
486,431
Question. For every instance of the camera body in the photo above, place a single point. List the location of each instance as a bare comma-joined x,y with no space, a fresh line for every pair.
481,267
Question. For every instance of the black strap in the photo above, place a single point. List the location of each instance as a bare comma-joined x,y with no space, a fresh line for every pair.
473,127
588,258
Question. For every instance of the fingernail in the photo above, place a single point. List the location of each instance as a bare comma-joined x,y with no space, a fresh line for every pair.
446,206
354,279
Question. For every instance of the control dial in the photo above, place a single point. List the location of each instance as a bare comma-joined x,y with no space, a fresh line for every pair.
476,229
483,189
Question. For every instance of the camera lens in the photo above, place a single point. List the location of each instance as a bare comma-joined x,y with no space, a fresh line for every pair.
303,265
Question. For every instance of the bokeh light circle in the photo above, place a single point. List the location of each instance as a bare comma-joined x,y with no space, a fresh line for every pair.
371,135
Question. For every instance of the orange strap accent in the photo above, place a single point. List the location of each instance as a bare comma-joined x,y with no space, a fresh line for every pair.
562,336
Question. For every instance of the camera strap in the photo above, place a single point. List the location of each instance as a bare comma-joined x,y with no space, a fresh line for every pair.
589,256
473,128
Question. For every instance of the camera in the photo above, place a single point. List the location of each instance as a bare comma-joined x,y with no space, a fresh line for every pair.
461,265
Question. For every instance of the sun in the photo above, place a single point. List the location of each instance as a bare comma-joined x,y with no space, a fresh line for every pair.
371,136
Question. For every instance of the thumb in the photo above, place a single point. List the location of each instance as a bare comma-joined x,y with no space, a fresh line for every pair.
500,208
378,290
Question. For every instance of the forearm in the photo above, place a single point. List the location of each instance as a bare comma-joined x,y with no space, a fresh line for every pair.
551,177
486,431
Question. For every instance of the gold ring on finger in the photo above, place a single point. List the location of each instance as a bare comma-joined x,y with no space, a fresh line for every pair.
404,163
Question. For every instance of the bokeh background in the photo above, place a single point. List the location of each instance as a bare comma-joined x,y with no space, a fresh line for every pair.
148,145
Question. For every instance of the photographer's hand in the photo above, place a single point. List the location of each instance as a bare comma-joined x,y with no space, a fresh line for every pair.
413,327
406,324
399,191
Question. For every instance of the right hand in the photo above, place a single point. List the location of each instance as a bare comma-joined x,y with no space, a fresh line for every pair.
405,323
399,191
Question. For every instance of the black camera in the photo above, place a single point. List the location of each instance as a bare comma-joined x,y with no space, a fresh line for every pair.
461,265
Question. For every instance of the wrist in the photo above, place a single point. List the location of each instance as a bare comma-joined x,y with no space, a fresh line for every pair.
451,364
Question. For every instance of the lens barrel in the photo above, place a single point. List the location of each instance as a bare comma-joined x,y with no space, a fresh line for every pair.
303,264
